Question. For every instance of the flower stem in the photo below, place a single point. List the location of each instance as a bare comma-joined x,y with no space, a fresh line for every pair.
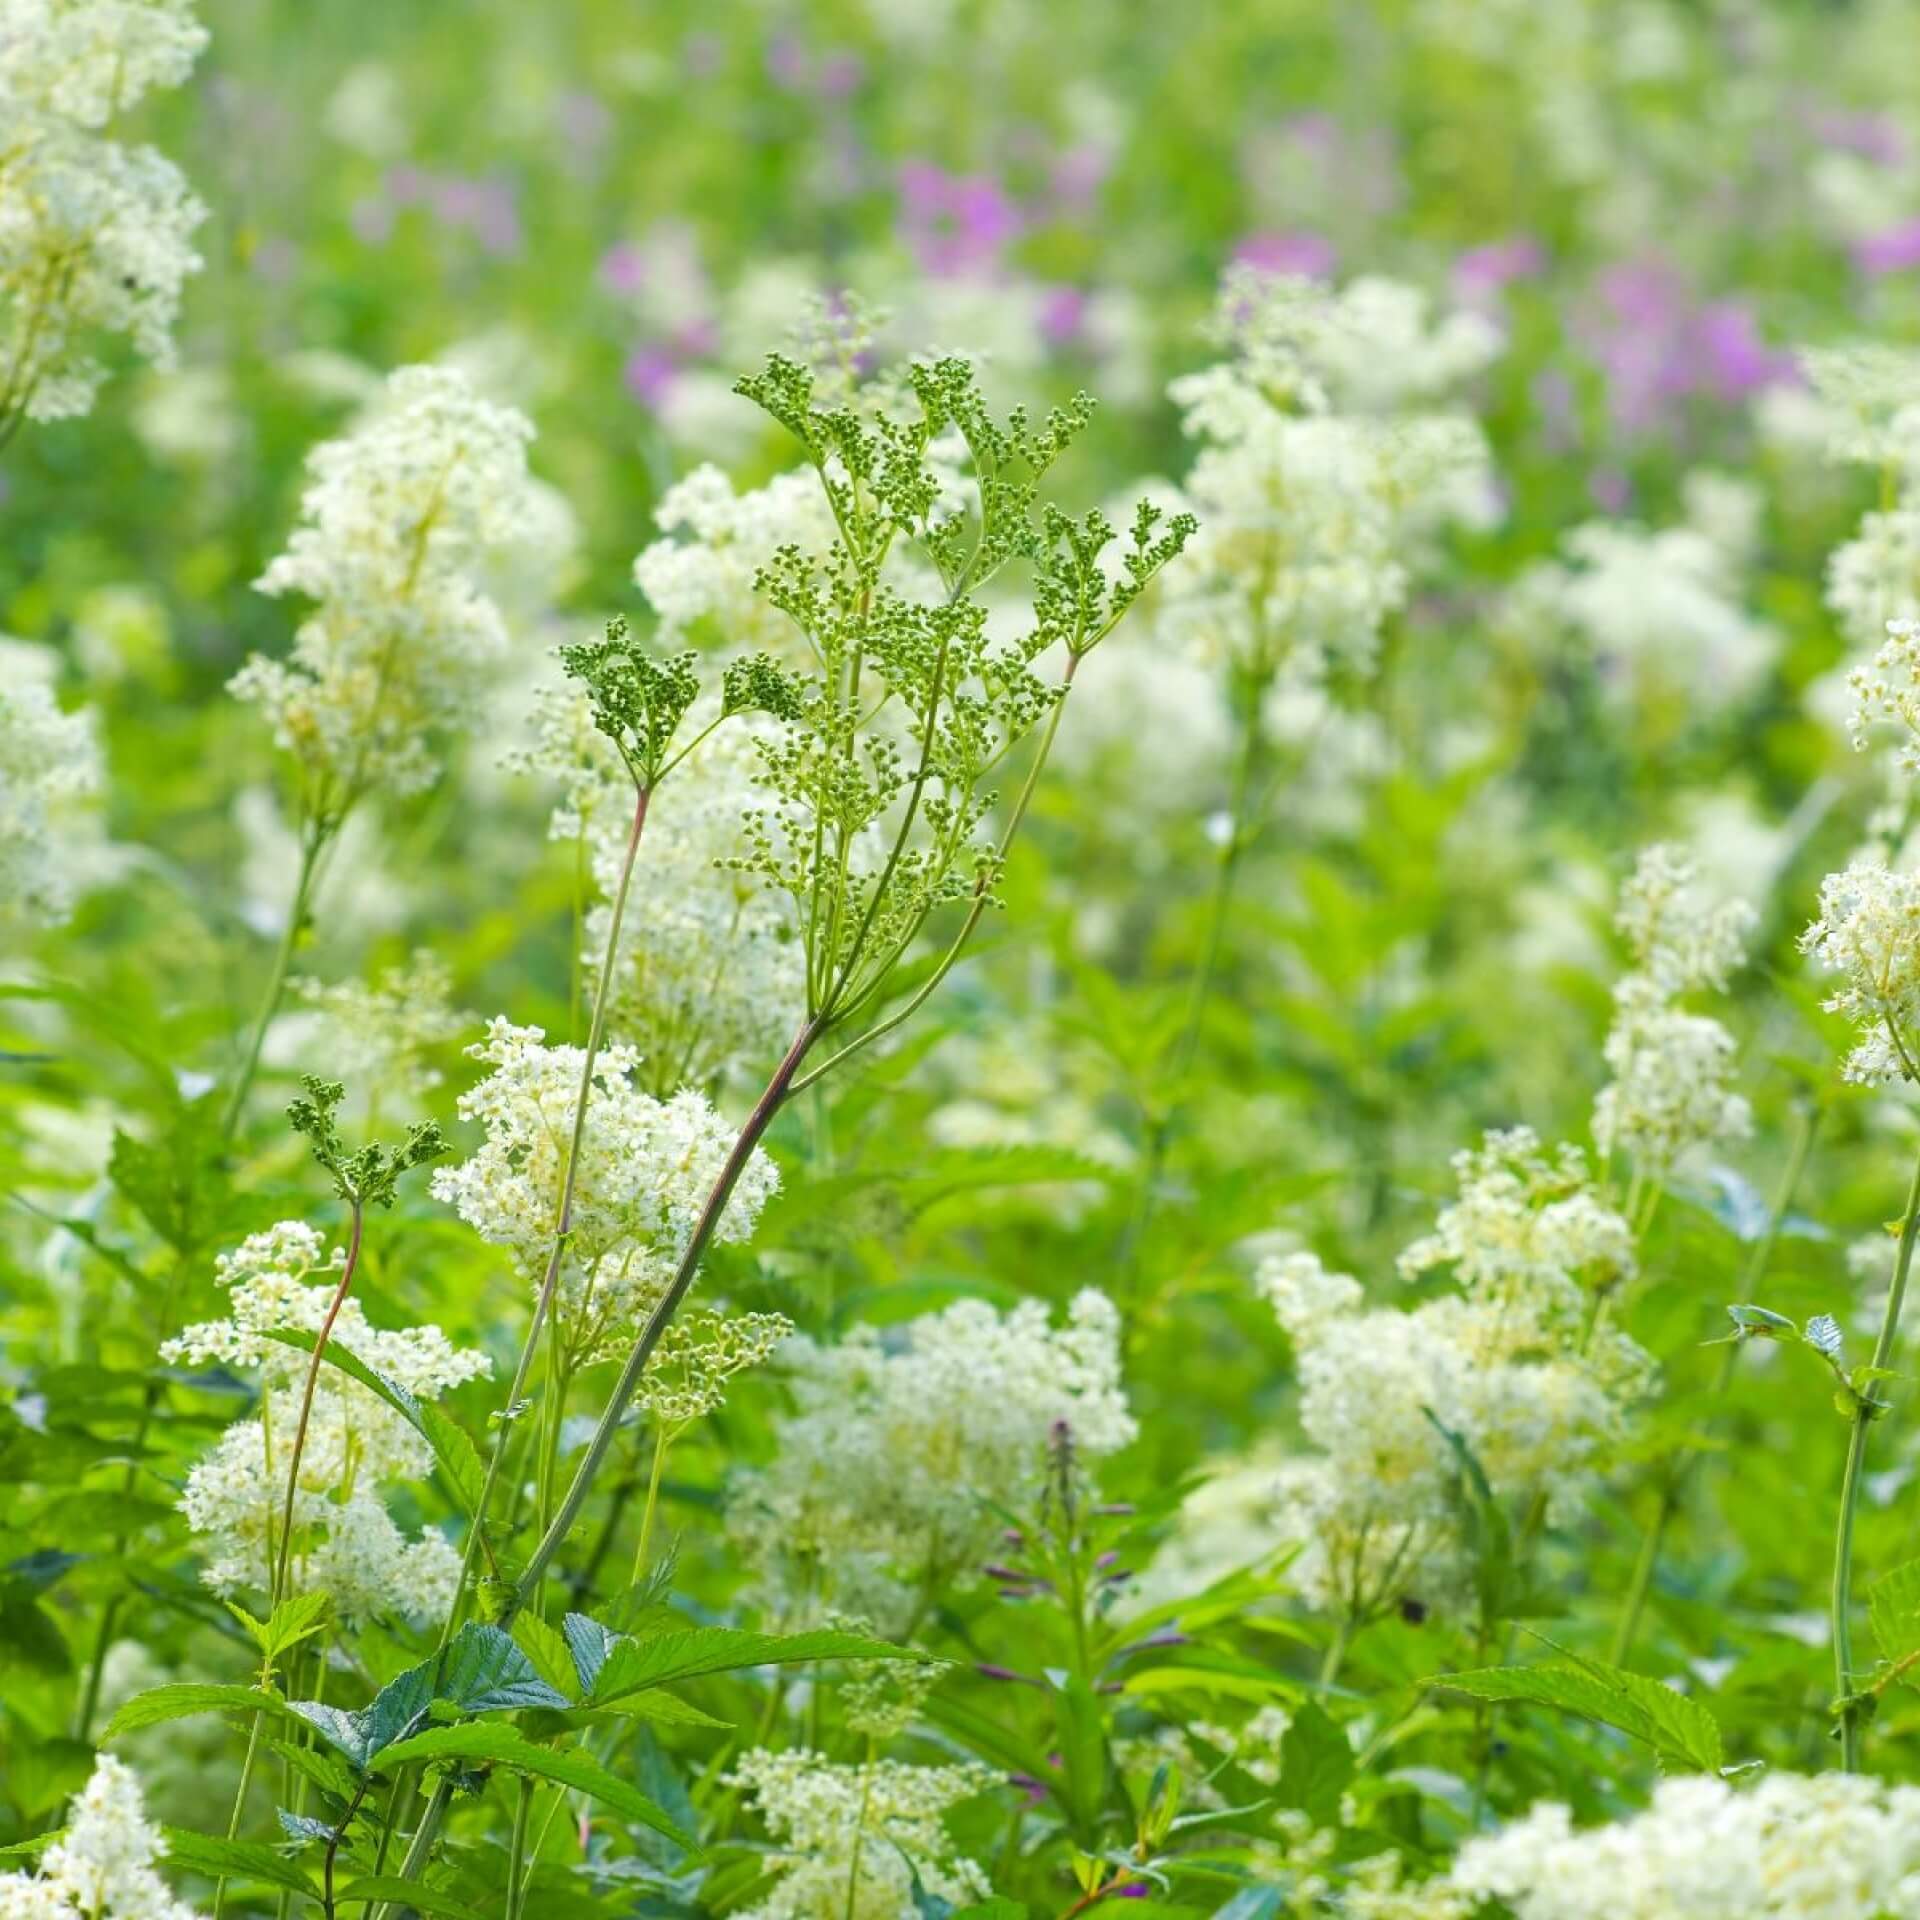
563,1219
1680,1465
278,1591
1864,1412
313,839
660,1444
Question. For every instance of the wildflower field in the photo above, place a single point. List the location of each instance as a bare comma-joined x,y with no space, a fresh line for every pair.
959,959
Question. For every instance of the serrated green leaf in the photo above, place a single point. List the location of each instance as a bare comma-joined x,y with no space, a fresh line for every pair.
181,1699
235,1860
496,1742
633,1664
546,1647
1679,1730
1316,1764
1893,1607
484,1671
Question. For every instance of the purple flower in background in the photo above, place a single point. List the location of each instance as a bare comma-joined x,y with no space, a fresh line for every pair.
1482,274
787,64
1873,136
1076,176
702,54
1657,346
372,220
649,374
1892,250
1063,315
623,269
840,74
1309,255
955,223
1736,359
1609,489
485,208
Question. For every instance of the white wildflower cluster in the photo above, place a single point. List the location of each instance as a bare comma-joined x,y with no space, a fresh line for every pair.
1528,1231
851,1840
383,1034
902,1436
1868,933
1835,1846
401,516
102,1865
345,1542
709,977
563,745
1315,483
1520,1365
95,237
48,761
1659,612
699,576
1870,398
646,1167
1888,691
1670,1068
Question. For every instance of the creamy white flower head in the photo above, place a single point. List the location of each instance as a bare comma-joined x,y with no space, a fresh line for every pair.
1376,1508
345,1542
646,1168
87,60
699,575
94,238
102,1866
1868,933
48,762
1888,691
1658,608
402,516
1670,1090
1528,1230
381,1034
1873,395
1369,346
1873,582
710,979
850,1840
1836,1846
903,1435
1310,515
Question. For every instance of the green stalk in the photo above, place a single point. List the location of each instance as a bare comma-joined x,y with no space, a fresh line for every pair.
1680,1466
563,1223
313,839
1864,1412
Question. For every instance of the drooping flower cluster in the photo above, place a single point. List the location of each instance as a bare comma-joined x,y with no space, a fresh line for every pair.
1316,478
1835,1846
48,759
902,1435
401,517
1868,933
709,978
345,1542
95,237
646,1167
382,1034
1888,690
1376,1508
102,1865
852,1840
1670,1068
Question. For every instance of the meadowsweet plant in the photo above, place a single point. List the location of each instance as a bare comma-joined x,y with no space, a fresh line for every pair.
96,237
1041,1162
